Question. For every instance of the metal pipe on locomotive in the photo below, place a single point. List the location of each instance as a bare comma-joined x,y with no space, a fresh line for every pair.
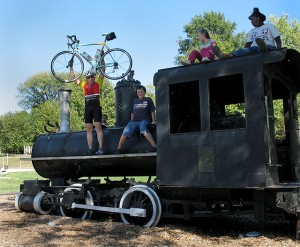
209,159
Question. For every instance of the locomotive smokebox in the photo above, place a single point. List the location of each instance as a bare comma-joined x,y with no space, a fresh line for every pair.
125,91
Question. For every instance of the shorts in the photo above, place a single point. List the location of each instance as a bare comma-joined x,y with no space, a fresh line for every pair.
131,127
92,111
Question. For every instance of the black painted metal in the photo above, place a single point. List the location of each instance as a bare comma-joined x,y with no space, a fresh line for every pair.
229,158
75,144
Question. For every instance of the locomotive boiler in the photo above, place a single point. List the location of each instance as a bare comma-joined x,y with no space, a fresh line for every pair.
218,149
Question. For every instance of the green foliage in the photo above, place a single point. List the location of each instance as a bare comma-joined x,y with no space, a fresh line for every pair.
235,108
38,89
289,30
220,29
279,119
108,102
151,92
16,131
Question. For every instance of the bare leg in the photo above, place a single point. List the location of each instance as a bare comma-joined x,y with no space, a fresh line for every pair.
98,128
123,139
89,134
150,139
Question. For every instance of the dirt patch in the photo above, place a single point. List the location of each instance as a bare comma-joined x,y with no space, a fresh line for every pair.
23,229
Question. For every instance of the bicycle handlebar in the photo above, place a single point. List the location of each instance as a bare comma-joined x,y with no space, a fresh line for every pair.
73,39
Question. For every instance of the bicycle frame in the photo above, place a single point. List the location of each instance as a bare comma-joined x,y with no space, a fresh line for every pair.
97,64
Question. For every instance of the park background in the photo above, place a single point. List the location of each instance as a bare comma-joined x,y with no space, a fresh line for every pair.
156,34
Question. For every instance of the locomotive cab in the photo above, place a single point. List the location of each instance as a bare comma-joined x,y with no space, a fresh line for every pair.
228,137
218,123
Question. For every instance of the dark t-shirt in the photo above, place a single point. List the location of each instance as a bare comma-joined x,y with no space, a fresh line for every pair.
142,109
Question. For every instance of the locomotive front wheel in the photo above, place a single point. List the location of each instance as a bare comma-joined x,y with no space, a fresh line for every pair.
77,213
42,203
141,196
17,201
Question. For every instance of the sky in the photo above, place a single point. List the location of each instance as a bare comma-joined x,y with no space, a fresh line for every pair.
33,31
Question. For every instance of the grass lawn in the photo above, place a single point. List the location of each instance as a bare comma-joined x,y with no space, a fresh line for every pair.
10,182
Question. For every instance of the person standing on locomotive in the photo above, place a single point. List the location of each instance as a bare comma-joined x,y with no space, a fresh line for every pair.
261,38
92,88
143,113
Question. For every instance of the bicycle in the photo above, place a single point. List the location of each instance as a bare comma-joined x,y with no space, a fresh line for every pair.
113,63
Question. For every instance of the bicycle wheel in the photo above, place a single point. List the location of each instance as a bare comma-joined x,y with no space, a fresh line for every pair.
60,66
118,64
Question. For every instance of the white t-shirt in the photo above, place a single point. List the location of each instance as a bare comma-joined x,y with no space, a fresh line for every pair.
267,32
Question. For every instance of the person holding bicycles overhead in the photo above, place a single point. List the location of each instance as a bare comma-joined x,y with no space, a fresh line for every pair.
92,87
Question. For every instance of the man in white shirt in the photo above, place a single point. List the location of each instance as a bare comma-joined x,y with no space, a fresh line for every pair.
261,38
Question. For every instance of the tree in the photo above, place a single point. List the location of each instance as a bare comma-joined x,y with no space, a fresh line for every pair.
151,92
16,131
289,30
220,29
37,90
50,112
108,102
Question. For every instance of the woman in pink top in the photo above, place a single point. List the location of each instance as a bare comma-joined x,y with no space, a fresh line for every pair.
206,53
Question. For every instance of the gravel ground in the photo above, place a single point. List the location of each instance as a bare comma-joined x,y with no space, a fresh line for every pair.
23,229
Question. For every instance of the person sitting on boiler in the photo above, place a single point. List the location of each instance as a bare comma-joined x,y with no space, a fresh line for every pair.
143,113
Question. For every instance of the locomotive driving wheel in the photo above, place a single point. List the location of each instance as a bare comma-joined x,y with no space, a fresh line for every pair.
141,196
77,213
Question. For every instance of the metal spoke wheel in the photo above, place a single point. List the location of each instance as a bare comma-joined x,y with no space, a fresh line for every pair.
60,66
17,201
42,204
118,64
141,196
77,213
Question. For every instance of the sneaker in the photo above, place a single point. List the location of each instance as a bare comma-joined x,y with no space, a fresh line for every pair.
186,62
89,152
205,59
261,44
99,152
218,52
118,151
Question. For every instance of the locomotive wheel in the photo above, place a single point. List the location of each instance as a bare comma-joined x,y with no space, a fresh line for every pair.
141,196
77,213
42,203
17,201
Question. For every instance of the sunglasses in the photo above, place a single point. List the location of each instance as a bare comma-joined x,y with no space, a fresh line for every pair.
90,76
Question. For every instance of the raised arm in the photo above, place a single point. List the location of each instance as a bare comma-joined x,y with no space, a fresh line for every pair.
72,75
102,62
278,42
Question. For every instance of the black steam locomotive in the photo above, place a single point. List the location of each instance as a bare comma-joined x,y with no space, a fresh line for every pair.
217,149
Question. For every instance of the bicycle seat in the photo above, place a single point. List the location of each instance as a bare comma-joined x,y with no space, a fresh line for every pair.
109,36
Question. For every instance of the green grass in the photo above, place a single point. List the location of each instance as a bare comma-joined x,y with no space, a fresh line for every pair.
10,182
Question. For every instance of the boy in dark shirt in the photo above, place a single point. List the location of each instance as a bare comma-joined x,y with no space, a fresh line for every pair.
142,115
